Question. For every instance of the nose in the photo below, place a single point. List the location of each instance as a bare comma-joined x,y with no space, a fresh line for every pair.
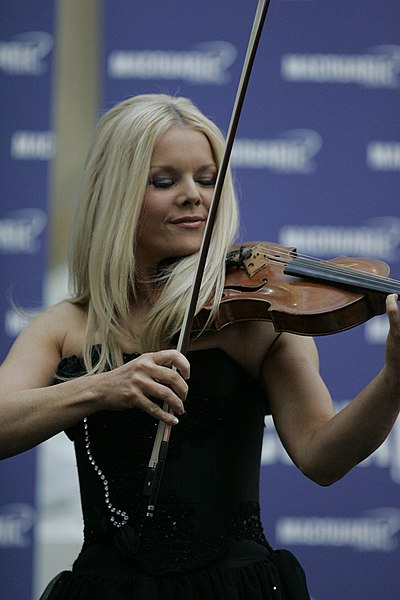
189,193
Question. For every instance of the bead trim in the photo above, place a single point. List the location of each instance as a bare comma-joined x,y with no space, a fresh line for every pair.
118,517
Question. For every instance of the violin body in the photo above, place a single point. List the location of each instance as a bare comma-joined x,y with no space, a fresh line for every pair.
306,305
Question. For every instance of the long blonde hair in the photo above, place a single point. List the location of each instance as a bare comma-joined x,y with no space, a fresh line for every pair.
102,260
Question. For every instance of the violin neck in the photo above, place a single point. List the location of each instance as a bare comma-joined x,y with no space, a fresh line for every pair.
335,274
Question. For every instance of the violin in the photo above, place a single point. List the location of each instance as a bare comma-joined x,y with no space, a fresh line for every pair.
303,295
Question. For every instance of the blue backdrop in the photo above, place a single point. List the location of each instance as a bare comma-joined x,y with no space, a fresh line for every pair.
26,45
317,163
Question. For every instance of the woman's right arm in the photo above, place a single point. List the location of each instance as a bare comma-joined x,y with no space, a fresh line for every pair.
33,408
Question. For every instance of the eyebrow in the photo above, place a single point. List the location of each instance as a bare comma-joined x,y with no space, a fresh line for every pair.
171,168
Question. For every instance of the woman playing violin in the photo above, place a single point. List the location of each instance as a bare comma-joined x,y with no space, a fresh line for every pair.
98,366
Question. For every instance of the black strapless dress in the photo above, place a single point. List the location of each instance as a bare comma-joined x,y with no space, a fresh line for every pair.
205,541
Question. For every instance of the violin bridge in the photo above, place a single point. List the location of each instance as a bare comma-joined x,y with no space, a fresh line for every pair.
256,261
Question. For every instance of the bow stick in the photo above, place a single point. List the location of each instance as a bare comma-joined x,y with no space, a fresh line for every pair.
160,447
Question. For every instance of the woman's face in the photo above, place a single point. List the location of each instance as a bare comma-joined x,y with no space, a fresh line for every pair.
177,199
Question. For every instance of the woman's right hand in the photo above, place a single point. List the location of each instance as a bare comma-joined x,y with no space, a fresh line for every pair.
32,408
144,380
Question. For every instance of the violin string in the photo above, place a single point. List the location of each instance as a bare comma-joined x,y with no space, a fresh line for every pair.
318,261
362,276
275,252
356,273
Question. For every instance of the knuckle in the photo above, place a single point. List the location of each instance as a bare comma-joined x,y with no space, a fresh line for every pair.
154,410
165,394
143,363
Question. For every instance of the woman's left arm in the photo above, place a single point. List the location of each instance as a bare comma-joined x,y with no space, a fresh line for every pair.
325,445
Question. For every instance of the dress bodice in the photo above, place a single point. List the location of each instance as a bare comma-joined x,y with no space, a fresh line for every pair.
209,493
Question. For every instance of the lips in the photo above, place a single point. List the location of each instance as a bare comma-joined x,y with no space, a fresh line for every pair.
188,220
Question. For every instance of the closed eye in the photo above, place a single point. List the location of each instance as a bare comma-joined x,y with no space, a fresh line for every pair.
207,181
162,182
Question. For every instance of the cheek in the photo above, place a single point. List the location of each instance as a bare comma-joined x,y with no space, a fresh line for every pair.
208,199
151,209
152,222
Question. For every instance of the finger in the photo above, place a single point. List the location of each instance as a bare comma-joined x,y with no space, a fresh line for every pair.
156,411
173,358
159,381
392,342
392,308
391,301
154,389
162,370
171,379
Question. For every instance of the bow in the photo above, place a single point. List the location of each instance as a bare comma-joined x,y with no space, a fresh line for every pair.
160,447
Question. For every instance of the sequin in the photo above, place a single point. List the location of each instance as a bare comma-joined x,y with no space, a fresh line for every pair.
118,518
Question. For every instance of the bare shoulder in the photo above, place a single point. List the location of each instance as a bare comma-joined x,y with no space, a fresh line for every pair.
34,356
72,327
56,324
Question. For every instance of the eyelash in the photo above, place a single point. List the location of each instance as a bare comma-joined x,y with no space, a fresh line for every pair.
163,183
166,182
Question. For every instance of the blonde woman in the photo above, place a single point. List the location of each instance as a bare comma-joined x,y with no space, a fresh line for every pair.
98,366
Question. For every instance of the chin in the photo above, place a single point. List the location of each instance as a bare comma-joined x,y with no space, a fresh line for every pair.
177,254
182,250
